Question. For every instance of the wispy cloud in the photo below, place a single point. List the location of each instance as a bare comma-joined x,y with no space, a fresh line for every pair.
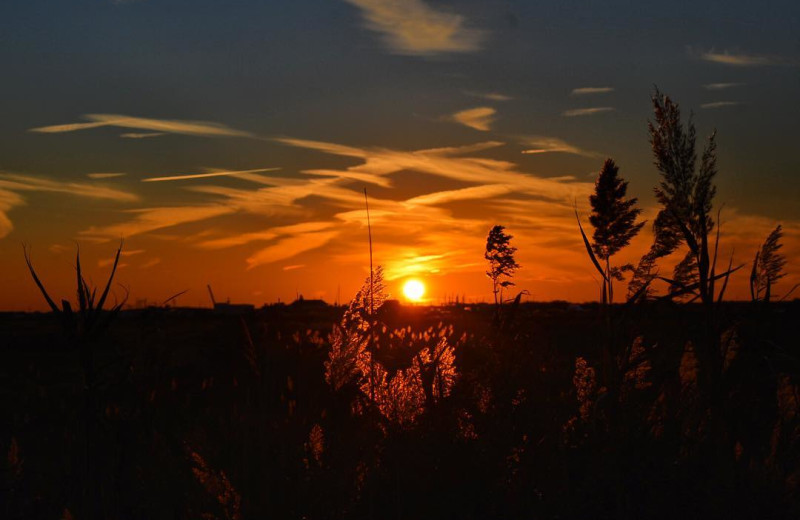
720,104
479,118
472,193
582,91
11,184
105,262
741,59
455,151
450,163
282,196
367,178
151,219
321,208
105,175
267,235
150,263
8,201
330,148
140,135
721,86
491,96
542,144
290,247
412,27
16,182
576,112
206,175
194,128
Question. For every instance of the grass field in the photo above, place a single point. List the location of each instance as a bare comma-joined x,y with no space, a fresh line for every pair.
196,414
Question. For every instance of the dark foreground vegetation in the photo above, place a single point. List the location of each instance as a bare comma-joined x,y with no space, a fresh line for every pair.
461,413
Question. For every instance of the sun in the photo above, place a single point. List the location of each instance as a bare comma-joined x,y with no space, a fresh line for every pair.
414,290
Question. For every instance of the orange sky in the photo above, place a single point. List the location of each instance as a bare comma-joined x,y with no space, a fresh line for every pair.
317,245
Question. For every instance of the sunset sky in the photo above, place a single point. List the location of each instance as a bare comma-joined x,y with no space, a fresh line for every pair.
230,142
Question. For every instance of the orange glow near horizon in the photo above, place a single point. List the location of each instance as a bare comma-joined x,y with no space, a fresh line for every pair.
414,290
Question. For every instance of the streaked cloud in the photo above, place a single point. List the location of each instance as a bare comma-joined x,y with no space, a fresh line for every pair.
582,91
720,104
140,135
105,175
8,201
741,59
152,219
290,247
491,96
16,182
576,112
420,216
206,175
336,218
105,262
721,86
150,263
367,178
453,151
11,184
454,164
475,192
329,148
479,118
282,197
542,144
194,128
267,235
412,27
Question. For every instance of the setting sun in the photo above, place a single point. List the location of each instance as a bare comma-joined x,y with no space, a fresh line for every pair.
414,290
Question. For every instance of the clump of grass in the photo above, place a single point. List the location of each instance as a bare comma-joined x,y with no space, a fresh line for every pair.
768,268
82,328
90,316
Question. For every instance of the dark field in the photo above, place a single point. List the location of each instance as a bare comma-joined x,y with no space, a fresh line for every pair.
546,411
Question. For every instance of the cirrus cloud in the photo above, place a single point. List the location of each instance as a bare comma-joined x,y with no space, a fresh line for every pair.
577,112
414,28
478,118
171,126
11,184
582,91
741,59
542,144
720,104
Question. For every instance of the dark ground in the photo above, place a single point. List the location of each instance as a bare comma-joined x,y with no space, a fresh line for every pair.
194,414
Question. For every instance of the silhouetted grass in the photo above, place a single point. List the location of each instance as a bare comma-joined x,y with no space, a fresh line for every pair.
210,417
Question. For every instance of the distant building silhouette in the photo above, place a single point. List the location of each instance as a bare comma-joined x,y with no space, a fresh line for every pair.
302,303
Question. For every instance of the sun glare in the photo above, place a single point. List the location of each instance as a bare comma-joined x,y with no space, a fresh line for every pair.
414,290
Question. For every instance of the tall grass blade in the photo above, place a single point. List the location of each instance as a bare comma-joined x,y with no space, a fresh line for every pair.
103,296
173,297
589,250
687,234
641,290
754,278
685,289
82,292
725,283
38,282
789,292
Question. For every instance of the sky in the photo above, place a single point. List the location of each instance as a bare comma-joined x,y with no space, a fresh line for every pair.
229,143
